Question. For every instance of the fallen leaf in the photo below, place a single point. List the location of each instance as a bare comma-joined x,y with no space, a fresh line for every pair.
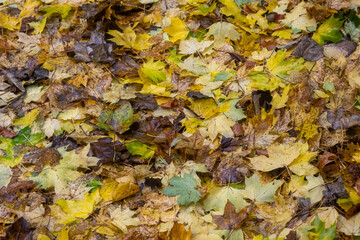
230,219
279,156
185,187
329,31
259,192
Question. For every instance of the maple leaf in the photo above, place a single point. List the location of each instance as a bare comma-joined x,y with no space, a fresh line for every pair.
279,156
67,211
185,187
62,9
222,30
66,171
280,68
152,70
177,30
11,23
119,91
130,39
122,218
112,190
299,19
220,125
193,46
320,232
311,187
194,65
258,192
230,219
218,197
138,148
329,31
50,126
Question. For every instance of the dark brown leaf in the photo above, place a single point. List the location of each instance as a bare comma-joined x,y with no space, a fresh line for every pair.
230,219
19,230
42,157
109,151
231,171
308,49
261,99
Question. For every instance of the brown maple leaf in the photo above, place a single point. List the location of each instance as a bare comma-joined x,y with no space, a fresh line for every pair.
230,219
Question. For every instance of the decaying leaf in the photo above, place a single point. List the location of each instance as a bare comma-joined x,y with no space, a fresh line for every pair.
179,119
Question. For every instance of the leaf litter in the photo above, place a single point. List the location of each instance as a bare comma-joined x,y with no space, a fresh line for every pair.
179,119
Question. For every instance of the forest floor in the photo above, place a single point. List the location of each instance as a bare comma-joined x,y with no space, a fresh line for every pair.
179,119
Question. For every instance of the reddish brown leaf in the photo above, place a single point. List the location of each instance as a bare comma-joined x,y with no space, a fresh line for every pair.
7,133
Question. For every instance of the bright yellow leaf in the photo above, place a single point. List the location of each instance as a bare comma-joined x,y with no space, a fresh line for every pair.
177,30
112,190
129,39
70,210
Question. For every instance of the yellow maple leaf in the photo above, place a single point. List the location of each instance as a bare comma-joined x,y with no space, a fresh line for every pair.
123,218
116,190
205,107
279,156
220,125
299,18
177,30
8,22
28,9
129,39
301,165
280,102
155,90
67,211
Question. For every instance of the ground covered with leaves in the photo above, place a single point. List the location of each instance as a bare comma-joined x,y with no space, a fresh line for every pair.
180,119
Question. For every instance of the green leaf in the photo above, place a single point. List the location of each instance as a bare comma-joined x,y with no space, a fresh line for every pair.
279,67
152,70
25,137
242,2
139,148
118,120
329,31
62,9
94,184
185,187
354,18
319,232
261,81
223,76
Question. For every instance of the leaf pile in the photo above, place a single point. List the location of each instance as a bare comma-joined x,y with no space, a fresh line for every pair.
180,119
